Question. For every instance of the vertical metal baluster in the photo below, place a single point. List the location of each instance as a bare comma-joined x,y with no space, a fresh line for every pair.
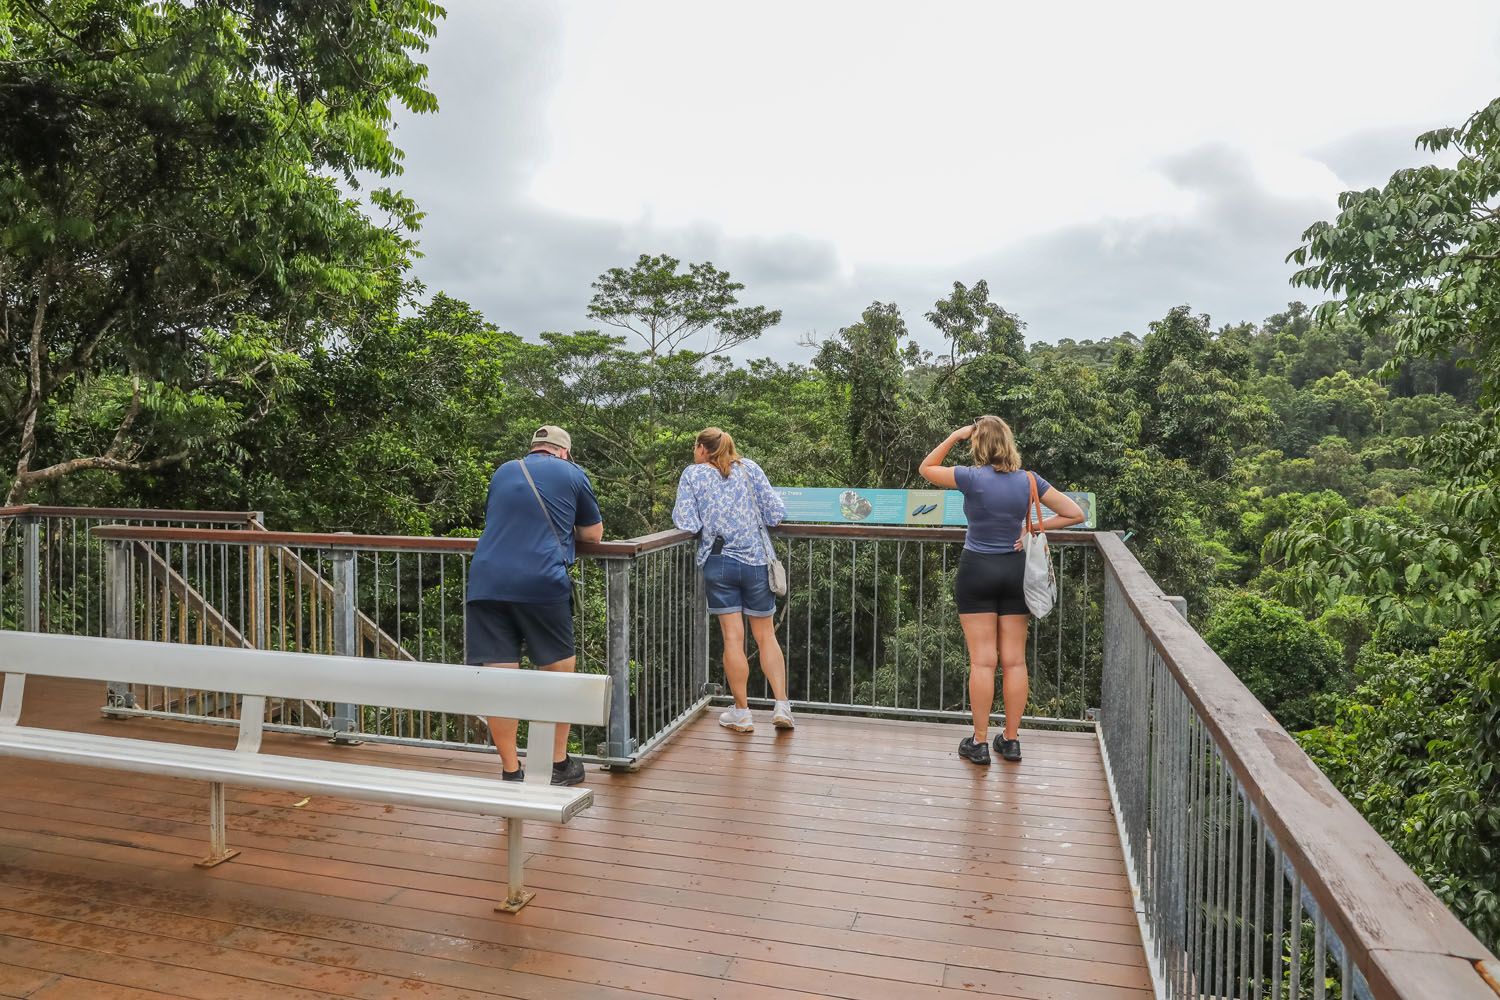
943,645
1211,874
1083,653
1190,826
1247,837
896,629
1061,611
1320,953
639,640
1259,972
1294,984
1278,909
831,547
1152,868
853,604
807,656
1178,797
73,581
1231,855
921,614
875,631
1346,975
431,724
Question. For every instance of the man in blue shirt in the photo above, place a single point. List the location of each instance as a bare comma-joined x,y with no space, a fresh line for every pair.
519,591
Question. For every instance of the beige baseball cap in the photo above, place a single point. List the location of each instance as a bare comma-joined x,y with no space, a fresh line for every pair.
553,435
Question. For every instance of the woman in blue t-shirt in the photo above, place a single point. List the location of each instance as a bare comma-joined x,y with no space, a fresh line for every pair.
988,589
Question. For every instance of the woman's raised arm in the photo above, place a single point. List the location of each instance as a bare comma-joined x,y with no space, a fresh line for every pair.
932,468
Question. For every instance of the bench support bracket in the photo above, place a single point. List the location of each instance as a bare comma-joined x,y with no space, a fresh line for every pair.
219,851
516,895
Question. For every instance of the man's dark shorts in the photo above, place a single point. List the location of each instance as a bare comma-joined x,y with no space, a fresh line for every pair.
497,631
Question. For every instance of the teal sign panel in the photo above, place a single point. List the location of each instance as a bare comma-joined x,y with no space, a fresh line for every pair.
835,505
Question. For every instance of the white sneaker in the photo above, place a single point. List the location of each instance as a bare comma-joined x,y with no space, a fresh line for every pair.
738,719
781,718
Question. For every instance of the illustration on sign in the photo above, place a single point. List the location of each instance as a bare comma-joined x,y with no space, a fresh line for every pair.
925,507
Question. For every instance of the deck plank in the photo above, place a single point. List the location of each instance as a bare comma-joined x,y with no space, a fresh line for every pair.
770,865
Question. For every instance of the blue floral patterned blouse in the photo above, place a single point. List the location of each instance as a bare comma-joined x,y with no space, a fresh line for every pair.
736,508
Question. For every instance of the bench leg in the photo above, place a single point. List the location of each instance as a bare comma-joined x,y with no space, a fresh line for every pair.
516,896
218,850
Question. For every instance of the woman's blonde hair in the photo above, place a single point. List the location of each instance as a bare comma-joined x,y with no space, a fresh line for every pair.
720,448
993,444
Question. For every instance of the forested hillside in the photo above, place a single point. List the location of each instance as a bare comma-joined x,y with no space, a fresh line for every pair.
197,314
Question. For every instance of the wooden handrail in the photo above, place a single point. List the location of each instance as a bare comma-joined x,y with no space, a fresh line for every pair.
385,543
908,533
1399,933
135,514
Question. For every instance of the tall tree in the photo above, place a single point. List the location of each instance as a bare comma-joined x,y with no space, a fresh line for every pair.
666,308
173,234
1188,390
985,369
1420,256
865,362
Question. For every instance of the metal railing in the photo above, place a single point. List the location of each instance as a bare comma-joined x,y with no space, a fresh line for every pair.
869,626
1254,877
638,607
52,570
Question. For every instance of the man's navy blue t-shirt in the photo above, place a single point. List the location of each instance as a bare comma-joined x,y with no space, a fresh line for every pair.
518,558
994,505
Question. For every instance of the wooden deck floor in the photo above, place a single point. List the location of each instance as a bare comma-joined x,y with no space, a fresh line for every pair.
849,858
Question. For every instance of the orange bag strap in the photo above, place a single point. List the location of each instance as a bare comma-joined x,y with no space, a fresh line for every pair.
1035,504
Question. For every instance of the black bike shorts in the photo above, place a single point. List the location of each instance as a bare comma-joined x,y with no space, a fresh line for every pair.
991,583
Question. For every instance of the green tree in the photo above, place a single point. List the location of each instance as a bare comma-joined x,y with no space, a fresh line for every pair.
1187,388
667,308
985,368
173,234
1283,659
1416,257
1416,747
865,364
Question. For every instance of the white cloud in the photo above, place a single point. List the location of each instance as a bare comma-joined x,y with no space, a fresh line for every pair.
829,153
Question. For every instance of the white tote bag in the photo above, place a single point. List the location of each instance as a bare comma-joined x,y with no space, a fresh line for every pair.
1040,584
775,571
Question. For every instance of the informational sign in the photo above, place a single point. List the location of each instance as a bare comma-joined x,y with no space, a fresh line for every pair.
833,505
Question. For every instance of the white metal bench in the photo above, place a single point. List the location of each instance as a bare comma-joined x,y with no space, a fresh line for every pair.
544,699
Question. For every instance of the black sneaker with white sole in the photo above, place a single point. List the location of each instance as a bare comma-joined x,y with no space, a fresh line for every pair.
974,750
568,771
1008,749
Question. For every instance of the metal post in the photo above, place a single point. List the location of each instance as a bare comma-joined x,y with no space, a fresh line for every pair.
700,638
619,746
118,622
345,721
260,611
219,850
31,575
516,895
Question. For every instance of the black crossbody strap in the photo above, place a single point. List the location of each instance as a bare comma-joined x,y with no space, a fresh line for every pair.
546,514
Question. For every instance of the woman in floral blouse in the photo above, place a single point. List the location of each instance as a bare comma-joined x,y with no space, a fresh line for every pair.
728,502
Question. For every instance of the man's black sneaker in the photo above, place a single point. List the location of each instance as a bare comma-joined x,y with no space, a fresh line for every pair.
568,771
519,774
976,751
1008,749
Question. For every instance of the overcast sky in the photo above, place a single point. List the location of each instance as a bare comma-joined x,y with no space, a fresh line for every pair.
1096,162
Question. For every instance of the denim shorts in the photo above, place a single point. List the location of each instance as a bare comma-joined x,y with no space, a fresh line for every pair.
735,586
